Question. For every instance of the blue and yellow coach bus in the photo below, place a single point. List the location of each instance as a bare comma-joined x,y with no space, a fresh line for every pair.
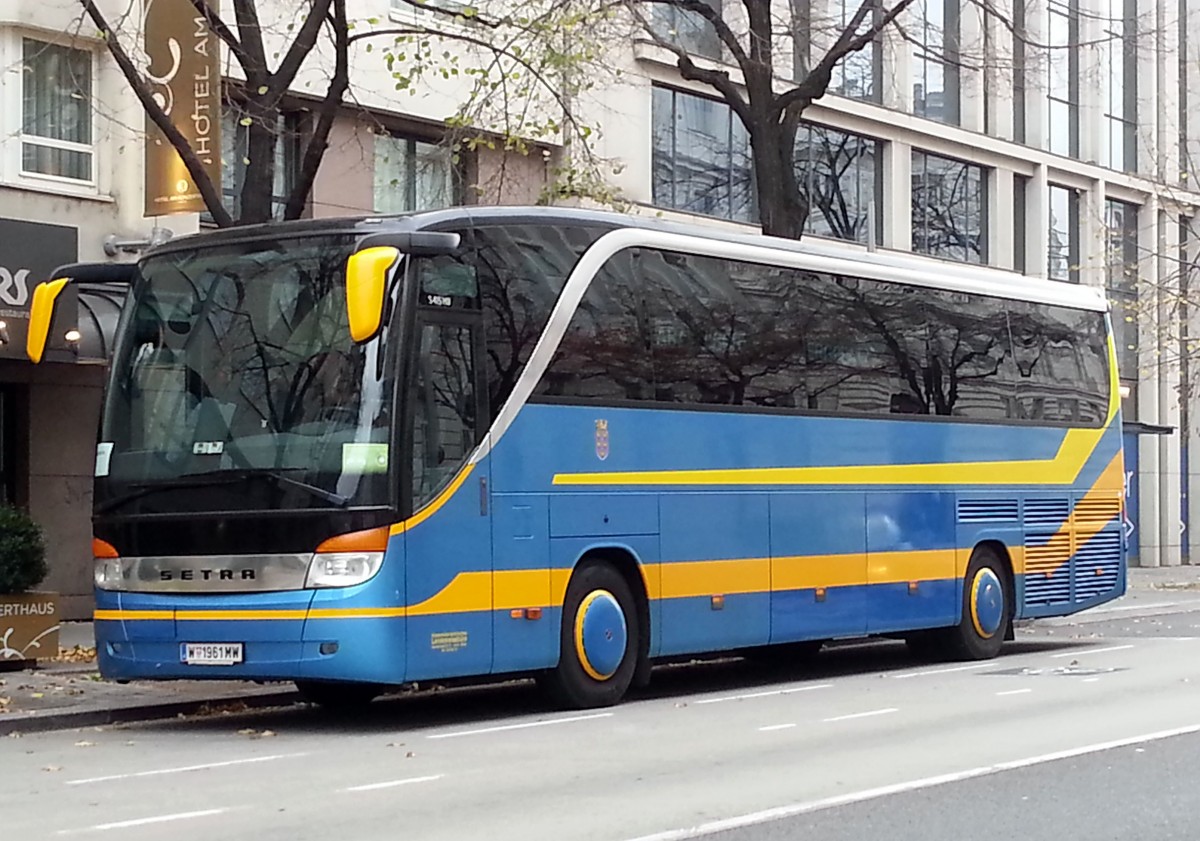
364,452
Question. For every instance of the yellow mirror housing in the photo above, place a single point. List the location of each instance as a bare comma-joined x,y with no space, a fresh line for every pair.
41,313
366,280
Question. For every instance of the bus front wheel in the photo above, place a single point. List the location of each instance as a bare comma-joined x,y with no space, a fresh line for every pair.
598,639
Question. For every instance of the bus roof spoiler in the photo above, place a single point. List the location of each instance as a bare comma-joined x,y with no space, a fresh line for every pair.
420,243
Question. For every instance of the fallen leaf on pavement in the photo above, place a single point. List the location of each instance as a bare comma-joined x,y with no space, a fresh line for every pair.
256,734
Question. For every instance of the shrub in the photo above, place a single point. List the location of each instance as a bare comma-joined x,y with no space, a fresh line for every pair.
22,552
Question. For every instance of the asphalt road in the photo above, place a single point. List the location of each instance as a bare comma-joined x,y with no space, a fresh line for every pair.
1085,728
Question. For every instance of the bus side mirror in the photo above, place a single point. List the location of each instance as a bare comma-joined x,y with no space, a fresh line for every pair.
41,315
45,301
366,280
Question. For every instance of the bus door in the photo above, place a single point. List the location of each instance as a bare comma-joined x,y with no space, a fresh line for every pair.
448,543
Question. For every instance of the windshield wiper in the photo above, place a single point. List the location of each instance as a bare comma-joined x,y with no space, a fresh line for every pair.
283,479
220,477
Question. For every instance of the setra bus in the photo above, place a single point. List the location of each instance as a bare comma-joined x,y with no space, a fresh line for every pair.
357,453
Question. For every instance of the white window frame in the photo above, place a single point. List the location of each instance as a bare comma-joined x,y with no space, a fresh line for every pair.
13,137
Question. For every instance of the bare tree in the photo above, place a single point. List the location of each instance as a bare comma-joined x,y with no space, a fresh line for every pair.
519,75
769,111
262,98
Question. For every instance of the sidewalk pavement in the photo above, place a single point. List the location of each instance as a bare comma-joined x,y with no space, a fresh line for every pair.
69,692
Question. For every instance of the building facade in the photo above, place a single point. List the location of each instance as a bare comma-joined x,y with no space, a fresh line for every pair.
1054,138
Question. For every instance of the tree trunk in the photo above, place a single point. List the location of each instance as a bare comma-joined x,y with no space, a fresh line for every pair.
258,188
782,209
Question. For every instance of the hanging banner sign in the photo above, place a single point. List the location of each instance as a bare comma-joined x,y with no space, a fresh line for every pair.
185,80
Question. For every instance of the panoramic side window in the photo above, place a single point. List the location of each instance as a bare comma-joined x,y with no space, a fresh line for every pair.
520,270
605,353
444,408
682,329
1061,357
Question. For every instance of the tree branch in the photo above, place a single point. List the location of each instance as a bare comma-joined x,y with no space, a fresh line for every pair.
453,15
221,30
850,41
303,44
711,15
720,80
314,151
250,32
208,191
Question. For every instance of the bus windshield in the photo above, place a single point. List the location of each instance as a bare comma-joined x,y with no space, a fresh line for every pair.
236,385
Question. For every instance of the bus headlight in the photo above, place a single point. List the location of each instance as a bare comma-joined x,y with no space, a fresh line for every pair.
109,574
342,569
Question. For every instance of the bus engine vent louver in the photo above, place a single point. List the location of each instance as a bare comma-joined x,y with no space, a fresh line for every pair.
986,510
1097,510
1046,512
1097,565
1047,568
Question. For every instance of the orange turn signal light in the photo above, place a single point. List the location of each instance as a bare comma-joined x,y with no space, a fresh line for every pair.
103,549
370,540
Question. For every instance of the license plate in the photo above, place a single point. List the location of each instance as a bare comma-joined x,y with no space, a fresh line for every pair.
211,653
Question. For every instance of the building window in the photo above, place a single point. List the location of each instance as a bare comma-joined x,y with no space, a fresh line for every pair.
857,75
702,164
1186,74
701,157
1120,57
56,111
687,29
840,175
235,145
1062,77
1020,36
1020,220
935,64
1063,258
1121,275
411,175
949,201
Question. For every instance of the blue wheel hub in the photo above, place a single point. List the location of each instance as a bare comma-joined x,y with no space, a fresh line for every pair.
987,603
600,634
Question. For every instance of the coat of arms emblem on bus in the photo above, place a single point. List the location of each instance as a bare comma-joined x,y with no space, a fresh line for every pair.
602,439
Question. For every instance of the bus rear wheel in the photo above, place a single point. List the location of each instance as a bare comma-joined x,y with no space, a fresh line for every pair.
598,640
987,610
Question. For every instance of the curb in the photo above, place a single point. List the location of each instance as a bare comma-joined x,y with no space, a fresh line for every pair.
70,719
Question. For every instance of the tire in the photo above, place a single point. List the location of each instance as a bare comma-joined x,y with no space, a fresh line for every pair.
338,697
987,608
598,640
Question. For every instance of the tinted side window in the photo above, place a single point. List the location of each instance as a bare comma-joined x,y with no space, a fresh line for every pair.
521,270
948,352
605,352
673,328
1062,362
